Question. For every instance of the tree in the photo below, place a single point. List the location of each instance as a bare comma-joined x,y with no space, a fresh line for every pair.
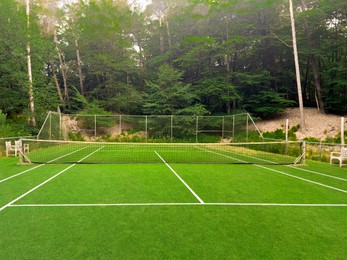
167,94
32,118
297,68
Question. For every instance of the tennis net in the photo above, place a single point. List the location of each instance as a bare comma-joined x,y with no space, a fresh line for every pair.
57,152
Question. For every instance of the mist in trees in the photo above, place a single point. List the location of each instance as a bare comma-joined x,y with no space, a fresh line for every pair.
173,57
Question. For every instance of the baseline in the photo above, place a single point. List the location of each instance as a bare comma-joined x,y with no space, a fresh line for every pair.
46,181
180,204
179,177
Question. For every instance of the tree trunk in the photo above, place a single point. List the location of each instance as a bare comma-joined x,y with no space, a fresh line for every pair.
79,64
314,64
56,81
168,33
31,118
297,67
62,66
161,37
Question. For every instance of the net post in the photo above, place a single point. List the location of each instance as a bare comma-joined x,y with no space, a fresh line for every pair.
50,125
20,155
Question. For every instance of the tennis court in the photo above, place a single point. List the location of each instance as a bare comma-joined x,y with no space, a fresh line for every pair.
214,203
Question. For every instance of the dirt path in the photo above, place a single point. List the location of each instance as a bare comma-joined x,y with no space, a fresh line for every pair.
317,125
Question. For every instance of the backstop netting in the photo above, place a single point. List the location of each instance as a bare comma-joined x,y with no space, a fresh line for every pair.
132,128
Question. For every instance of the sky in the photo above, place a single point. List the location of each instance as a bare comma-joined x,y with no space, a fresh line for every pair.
142,3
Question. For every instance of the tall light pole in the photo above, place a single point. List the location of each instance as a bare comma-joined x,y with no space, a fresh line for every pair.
297,67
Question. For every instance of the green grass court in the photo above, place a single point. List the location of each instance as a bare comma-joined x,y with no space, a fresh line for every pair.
163,210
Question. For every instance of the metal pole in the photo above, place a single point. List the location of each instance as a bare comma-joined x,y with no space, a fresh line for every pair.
171,128
223,125
120,124
95,126
287,130
247,129
197,129
50,126
342,130
146,128
233,128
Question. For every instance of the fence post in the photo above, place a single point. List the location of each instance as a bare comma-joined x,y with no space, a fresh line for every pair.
197,129
342,130
50,126
171,129
287,130
233,128
120,124
146,129
223,126
95,126
246,128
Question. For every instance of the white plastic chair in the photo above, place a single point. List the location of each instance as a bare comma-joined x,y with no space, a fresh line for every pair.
340,156
10,149
20,148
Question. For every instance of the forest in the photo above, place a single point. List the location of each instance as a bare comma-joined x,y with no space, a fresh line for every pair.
196,57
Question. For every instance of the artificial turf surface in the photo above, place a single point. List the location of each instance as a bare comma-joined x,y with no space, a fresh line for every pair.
134,229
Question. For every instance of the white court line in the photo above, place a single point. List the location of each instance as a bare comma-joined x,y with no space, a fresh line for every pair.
274,163
48,180
303,179
181,204
283,173
189,188
38,166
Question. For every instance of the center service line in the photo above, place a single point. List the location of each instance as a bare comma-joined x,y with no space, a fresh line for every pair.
189,188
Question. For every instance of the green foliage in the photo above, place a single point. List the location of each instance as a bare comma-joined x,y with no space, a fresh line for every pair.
75,136
2,118
168,94
266,103
279,134
203,57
